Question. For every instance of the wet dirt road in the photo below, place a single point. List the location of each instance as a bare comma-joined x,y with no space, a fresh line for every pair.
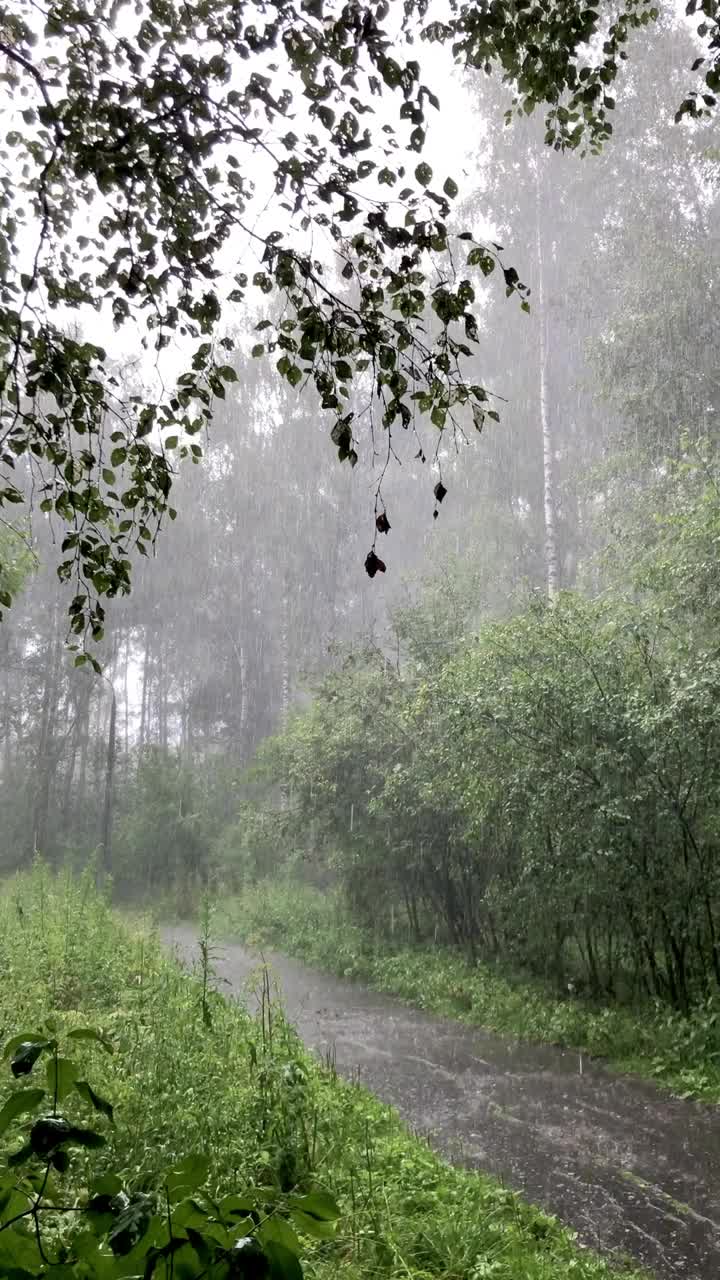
629,1168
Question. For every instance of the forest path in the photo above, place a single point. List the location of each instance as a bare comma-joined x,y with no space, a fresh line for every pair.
629,1168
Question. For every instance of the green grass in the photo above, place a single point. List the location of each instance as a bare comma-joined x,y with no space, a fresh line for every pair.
680,1053
244,1092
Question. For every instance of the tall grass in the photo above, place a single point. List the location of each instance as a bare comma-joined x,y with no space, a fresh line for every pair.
194,1072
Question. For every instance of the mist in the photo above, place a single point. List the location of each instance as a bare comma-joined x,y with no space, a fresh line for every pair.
459,699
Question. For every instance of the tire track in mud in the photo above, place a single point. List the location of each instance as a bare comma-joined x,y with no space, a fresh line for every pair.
629,1168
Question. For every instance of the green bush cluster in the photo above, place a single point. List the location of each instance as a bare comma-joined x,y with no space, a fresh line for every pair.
543,795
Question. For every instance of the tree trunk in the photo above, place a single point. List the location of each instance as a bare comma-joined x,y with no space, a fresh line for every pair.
552,574
145,694
104,865
45,759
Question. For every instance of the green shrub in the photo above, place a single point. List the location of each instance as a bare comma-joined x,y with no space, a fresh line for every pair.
682,1053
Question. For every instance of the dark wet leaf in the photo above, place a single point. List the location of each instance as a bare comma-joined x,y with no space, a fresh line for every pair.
248,1260
48,1133
131,1224
26,1055
87,1092
373,564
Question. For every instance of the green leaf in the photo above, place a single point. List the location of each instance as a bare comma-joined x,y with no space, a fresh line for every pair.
319,1204
278,1231
18,1104
284,1264
171,442
23,1037
61,1076
118,456
87,1092
424,174
90,1033
187,1176
315,1214
450,187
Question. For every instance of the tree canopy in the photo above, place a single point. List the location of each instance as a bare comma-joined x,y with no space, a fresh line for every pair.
140,144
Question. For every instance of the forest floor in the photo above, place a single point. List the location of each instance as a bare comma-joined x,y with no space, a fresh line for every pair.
195,1074
681,1054
629,1168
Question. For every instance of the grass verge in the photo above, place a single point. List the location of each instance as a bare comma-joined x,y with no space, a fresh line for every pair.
682,1054
244,1092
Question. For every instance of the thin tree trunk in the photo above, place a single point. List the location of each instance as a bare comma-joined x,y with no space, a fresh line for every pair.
84,729
45,755
144,697
104,864
162,698
285,659
126,695
552,573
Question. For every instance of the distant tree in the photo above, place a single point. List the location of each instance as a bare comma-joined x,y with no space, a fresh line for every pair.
138,138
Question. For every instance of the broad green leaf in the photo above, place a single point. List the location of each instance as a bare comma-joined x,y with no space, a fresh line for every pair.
61,1076
90,1033
284,1264
318,1204
18,1104
279,1231
187,1176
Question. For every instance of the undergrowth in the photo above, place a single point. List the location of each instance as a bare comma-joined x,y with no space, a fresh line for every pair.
680,1053
195,1072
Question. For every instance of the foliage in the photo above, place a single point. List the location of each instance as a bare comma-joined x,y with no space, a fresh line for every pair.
259,1113
165,826
545,796
139,139
163,1225
679,1053
16,563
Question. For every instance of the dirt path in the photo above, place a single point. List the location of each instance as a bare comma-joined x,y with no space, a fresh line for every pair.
627,1167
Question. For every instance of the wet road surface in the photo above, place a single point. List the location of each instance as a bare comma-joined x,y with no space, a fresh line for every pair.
629,1168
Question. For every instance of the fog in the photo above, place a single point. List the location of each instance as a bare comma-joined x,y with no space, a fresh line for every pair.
255,598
